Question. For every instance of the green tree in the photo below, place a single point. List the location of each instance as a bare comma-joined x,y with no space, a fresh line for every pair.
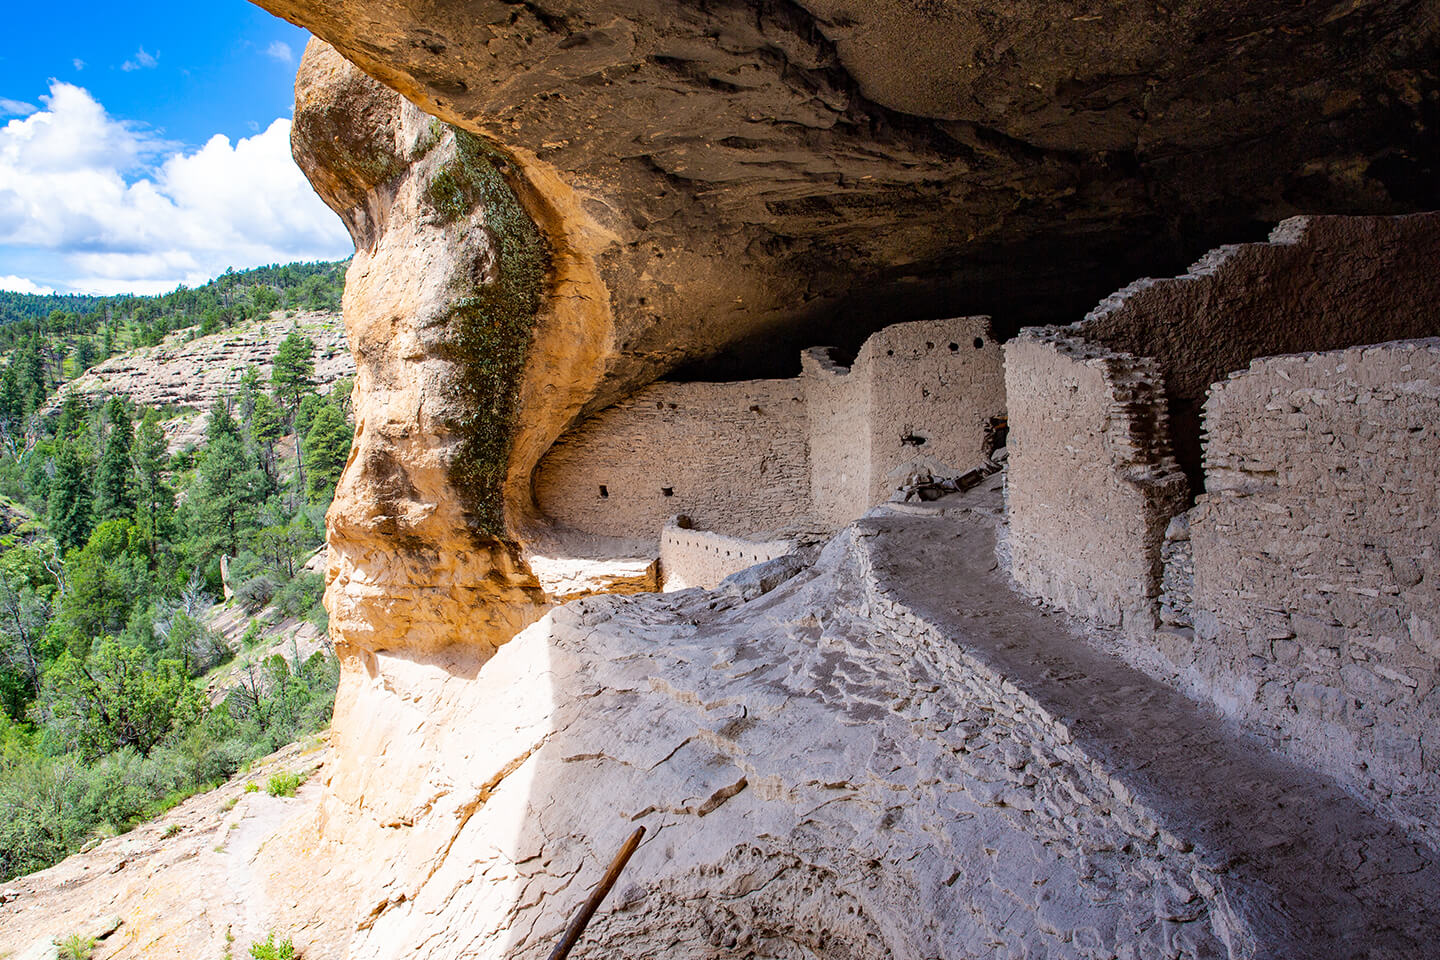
246,392
102,582
69,508
114,479
291,379
267,426
327,446
231,487
114,700
155,501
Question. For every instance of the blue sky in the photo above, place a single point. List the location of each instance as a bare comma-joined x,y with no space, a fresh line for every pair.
144,145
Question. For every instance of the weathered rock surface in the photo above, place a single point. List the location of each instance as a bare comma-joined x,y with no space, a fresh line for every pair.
791,172
890,754
417,533
194,373
177,885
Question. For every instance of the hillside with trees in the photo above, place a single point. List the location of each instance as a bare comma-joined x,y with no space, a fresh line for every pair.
111,550
49,339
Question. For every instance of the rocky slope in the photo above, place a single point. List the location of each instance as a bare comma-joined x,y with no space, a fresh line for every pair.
186,884
183,372
886,753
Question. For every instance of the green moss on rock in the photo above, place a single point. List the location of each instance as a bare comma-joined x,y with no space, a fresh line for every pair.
491,329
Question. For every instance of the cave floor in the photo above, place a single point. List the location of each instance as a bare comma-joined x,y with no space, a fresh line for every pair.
1341,881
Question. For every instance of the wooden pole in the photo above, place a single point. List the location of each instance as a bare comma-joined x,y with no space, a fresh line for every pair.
592,903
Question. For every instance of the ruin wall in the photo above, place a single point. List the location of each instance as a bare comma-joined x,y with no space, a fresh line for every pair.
837,401
728,455
1311,287
935,385
753,456
703,558
1091,484
1316,582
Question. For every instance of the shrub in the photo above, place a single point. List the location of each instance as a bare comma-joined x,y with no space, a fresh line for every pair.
77,947
254,593
283,785
298,596
270,950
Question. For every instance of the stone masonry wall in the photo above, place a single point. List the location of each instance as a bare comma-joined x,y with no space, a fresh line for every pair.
934,387
1091,484
747,457
837,400
730,455
1317,583
702,558
1313,286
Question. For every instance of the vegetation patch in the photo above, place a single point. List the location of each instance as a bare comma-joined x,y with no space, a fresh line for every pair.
268,949
118,697
490,329
283,785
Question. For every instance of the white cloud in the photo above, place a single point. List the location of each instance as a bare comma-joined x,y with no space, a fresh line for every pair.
16,108
23,285
79,64
142,61
126,212
280,50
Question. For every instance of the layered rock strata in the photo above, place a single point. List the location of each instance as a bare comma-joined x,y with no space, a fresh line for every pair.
779,173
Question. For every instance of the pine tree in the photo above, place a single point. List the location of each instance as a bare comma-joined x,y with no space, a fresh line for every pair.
230,484
327,446
267,426
69,508
155,501
290,379
114,480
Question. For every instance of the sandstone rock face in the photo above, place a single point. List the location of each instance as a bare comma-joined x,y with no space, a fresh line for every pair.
800,172
418,554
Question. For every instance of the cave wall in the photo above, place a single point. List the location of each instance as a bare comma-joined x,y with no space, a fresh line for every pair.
1316,575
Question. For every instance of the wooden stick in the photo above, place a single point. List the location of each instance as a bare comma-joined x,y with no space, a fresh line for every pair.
592,903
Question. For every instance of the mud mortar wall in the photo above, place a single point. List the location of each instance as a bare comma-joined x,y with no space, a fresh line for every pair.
1091,484
1315,285
837,400
1317,587
752,456
700,558
732,456
934,386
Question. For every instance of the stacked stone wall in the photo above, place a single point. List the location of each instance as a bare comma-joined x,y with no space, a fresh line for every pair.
1317,585
1091,484
837,400
702,558
935,386
1316,283
753,456
729,455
